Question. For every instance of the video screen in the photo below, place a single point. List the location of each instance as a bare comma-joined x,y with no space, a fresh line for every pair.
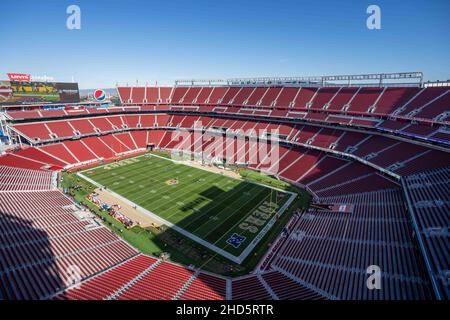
21,92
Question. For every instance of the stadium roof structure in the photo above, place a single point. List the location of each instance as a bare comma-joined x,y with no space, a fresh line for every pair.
372,79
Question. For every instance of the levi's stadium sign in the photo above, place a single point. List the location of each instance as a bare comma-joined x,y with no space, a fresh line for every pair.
19,77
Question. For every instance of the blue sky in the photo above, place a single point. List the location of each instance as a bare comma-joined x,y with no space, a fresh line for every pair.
124,41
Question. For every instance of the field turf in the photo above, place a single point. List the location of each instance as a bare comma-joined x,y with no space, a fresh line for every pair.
208,205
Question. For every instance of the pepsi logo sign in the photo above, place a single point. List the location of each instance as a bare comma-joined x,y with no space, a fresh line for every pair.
99,95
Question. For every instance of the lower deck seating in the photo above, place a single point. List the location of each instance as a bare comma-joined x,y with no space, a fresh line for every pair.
35,154
342,245
60,152
17,179
46,247
144,277
108,283
207,287
429,196
13,160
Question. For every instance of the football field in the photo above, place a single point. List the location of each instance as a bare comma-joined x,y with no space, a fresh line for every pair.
227,215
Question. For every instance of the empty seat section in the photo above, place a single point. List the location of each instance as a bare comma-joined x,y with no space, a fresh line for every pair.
342,174
205,287
140,137
162,283
242,95
285,130
255,98
151,95
427,161
289,159
323,97
101,124
79,150
326,165
203,95
126,139
98,111
418,130
438,107
154,137
302,166
217,95
83,126
147,120
373,145
138,94
326,137
61,128
116,121
24,114
304,97
178,94
191,94
229,95
109,282
344,96
364,99
350,139
11,160
98,147
34,131
269,97
249,288
114,144
124,93
286,97
368,183
393,125
188,121
19,179
427,190
307,133
52,113
58,151
401,152
45,240
281,113
37,155
287,289
161,120
176,120
394,98
164,94
425,96
131,120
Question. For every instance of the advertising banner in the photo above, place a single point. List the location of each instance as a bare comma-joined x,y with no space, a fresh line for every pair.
19,77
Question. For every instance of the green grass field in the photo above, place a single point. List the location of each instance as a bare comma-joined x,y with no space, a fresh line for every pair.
45,96
208,205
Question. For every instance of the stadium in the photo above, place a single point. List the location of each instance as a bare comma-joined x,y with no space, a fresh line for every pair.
330,187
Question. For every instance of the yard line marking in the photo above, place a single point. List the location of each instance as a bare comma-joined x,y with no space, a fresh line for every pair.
157,201
218,204
244,216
